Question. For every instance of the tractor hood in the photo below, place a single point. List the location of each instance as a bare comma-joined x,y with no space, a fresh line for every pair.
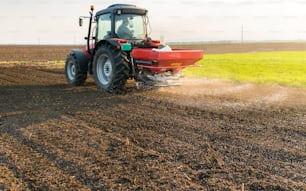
123,9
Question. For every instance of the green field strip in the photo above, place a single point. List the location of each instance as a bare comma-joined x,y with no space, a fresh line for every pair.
282,68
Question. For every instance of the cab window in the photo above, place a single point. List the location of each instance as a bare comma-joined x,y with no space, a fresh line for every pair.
104,27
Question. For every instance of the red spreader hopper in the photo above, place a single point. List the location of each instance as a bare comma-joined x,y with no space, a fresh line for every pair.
162,60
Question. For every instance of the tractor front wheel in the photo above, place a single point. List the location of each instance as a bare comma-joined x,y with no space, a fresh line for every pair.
110,68
76,73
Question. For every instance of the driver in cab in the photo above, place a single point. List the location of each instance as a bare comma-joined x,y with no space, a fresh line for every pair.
124,31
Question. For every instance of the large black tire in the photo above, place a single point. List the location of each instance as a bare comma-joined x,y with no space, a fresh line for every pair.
76,69
110,68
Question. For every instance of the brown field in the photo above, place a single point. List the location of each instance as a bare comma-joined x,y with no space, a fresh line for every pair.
202,135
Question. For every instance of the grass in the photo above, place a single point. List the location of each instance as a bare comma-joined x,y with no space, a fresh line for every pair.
59,63
283,68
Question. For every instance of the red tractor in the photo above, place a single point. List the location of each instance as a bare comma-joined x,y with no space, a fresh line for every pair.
118,48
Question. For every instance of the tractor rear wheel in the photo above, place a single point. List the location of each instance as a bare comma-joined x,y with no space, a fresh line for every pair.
110,68
76,74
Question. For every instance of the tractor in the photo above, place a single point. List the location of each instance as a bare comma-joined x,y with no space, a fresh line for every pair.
119,48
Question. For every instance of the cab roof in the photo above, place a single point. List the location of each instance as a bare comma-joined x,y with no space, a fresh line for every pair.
125,9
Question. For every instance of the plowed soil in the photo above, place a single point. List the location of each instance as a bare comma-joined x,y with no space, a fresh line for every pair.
202,135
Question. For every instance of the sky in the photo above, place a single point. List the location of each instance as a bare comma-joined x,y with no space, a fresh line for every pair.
56,21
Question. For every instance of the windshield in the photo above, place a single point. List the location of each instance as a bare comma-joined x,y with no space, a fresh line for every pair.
131,27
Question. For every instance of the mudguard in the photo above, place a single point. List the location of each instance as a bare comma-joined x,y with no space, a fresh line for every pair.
115,42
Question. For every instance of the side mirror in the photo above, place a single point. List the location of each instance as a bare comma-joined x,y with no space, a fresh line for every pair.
80,21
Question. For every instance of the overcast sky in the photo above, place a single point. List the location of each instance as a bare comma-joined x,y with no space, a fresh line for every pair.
56,21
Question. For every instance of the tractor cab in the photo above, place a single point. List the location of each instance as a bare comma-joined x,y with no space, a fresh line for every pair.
121,21
118,21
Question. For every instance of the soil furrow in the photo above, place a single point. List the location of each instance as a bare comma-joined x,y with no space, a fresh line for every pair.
34,169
